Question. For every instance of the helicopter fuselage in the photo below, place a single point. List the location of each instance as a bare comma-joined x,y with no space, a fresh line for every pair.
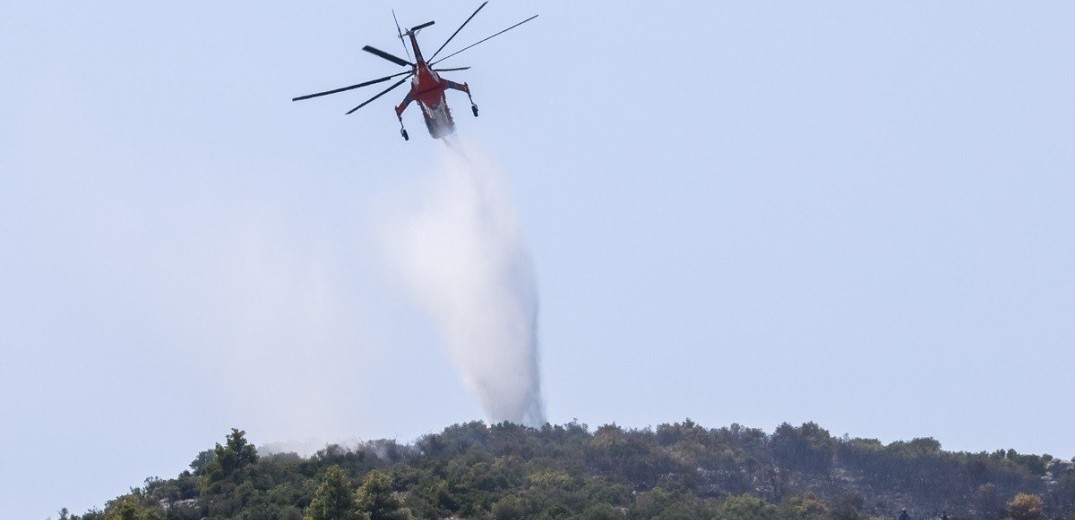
427,88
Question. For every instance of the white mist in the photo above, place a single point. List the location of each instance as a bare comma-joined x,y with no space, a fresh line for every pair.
463,258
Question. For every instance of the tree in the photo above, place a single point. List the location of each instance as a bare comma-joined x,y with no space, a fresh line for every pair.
987,502
334,498
237,454
229,460
511,507
130,509
200,463
375,498
849,507
601,511
1025,506
803,507
745,507
808,448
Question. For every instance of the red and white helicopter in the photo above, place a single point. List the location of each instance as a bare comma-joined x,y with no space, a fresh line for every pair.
427,86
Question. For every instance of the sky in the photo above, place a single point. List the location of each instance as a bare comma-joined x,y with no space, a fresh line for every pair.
857,214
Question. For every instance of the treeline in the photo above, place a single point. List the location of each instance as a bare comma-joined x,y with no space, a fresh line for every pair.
673,471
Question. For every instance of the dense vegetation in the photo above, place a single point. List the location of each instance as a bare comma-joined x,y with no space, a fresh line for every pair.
676,471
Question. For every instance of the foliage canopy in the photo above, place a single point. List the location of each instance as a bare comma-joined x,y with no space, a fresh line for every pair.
679,470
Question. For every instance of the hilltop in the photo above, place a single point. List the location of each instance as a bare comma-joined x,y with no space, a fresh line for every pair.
673,471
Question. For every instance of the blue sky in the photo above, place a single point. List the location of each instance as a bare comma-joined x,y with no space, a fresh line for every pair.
748,212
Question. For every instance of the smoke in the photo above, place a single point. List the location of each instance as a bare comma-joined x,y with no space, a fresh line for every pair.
463,257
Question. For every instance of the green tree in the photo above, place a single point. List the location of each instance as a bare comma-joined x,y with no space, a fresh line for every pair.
745,507
849,507
375,498
130,509
229,461
334,498
200,463
803,507
511,507
237,454
602,511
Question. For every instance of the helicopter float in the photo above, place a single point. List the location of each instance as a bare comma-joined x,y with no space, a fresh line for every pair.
427,85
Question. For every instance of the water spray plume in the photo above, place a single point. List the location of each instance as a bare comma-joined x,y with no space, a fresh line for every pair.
463,257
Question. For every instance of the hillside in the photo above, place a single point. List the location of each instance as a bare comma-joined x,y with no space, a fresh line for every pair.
673,471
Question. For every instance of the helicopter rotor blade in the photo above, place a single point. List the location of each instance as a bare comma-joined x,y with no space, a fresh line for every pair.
392,58
484,40
342,89
419,27
400,33
383,92
431,58
451,70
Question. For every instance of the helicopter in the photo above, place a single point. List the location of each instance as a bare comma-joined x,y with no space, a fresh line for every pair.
427,85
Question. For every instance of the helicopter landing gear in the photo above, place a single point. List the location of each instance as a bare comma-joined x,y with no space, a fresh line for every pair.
473,107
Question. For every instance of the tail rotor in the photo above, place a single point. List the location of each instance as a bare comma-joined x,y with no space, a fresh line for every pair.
400,33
